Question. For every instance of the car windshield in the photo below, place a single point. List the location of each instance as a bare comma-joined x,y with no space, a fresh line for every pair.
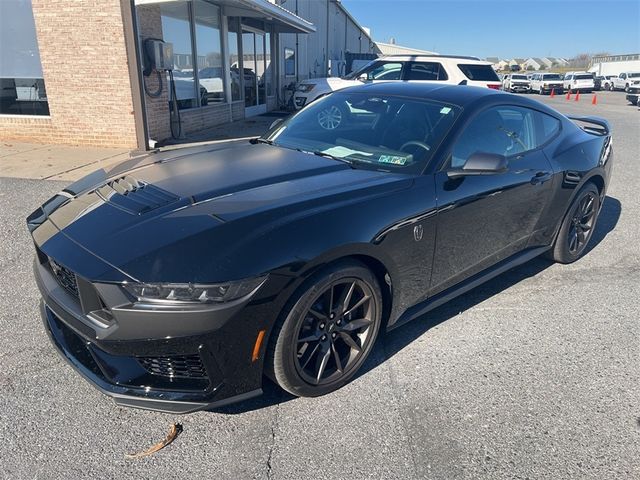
371,131
519,77
552,77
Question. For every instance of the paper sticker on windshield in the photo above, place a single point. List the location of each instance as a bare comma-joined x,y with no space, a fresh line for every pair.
393,159
445,110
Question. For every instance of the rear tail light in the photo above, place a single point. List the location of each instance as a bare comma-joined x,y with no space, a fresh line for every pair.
493,86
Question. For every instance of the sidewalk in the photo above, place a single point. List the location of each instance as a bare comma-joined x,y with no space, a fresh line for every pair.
62,162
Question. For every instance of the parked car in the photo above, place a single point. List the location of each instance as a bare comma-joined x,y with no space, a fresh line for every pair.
606,83
517,83
624,81
544,83
411,68
578,81
597,82
633,93
176,281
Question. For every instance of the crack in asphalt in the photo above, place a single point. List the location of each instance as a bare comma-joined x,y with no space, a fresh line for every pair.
274,428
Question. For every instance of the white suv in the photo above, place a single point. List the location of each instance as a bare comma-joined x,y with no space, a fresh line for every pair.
516,82
413,68
579,82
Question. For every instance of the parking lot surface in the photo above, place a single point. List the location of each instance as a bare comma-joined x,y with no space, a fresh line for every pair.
532,375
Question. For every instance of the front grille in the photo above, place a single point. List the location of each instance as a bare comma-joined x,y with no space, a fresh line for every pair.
65,277
181,366
135,196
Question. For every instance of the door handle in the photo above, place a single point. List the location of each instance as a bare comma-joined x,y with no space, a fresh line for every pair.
540,177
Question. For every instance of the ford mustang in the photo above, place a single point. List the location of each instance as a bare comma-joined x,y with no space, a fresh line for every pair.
177,281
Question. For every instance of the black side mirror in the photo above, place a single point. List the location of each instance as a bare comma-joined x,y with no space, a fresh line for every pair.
481,163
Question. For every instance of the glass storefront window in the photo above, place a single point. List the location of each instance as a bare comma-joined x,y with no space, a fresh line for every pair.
22,90
176,29
209,48
234,59
289,62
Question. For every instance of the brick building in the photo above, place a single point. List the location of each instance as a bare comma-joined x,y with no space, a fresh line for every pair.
82,71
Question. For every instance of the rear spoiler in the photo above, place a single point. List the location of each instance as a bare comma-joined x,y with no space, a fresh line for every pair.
596,125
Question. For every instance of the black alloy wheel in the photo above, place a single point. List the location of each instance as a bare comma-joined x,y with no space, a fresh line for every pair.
578,226
329,331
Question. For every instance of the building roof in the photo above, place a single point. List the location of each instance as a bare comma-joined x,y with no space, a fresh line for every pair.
493,59
393,49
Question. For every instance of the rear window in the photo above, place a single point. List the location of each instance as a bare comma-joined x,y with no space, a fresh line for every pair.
479,73
634,75
552,77
584,77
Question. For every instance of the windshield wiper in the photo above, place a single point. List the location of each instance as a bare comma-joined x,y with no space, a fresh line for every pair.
328,155
261,140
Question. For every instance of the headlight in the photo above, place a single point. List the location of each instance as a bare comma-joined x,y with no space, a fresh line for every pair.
305,87
193,292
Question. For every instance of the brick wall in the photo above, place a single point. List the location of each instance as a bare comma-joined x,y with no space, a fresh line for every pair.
150,26
86,76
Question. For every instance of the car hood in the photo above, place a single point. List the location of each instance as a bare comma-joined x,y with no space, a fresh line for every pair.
165,211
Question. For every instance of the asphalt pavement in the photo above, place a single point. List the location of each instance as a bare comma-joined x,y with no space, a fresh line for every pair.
533,375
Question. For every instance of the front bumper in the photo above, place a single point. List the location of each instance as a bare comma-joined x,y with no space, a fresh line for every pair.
633,97
208,365
520,88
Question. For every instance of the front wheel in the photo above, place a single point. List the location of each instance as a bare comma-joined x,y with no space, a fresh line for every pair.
328,332
577,226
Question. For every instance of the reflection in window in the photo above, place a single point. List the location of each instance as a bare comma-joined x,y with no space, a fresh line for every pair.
234,59
209,48
177,31
22,90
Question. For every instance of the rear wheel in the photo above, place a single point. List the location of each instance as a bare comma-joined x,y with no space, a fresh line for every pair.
577,226
328,332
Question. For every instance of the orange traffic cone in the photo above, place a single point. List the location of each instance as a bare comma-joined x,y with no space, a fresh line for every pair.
578,95
553,93
569,95
594,100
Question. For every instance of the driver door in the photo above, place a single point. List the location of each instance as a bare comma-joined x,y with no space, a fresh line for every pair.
484,219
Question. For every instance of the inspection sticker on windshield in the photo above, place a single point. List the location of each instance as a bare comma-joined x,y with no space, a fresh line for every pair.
445,110
393,159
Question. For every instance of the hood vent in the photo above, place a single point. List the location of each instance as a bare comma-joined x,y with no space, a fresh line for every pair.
135,196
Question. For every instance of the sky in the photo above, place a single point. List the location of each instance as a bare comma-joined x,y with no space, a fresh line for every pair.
504,28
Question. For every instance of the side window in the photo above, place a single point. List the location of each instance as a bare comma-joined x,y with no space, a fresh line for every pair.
546,127
426,71
501,130
384,71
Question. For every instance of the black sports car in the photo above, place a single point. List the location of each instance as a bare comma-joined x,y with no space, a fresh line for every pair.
176,281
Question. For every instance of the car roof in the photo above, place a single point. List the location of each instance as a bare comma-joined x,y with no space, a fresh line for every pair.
460,95
409,58
444,92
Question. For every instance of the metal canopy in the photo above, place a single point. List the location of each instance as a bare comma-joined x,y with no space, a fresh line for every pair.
282,20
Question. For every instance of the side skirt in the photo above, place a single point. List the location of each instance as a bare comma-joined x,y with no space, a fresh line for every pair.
468,284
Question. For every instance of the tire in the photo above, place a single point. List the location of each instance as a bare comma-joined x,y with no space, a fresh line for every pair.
541,92
626,88
326,360
564,249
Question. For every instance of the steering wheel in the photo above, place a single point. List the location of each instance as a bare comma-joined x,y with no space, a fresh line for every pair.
417,143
